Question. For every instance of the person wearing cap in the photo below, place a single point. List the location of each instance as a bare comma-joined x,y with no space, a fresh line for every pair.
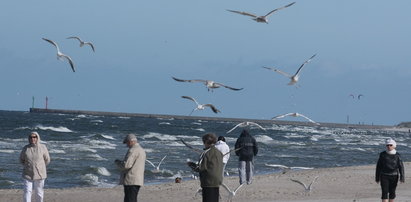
389,169
132,168
34,157
222,146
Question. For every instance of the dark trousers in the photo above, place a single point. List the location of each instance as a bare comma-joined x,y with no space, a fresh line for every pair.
210,194
388,186
130,193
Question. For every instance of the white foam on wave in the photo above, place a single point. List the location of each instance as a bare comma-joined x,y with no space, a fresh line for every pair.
79,147
148,150
200,129
175,144
56,129
57,151
90,179
162,137
101,144
108,137
96,121
263,138
103,171
9,151
96,157
196,123
164,123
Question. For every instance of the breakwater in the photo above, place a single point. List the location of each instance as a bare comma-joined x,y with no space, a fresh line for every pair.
165,116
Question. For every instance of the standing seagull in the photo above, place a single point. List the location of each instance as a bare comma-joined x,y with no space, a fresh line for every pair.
261,18
82,43
209,84
157,168
306,188
231,193
60,55
244,124
294,78
295,114
201,106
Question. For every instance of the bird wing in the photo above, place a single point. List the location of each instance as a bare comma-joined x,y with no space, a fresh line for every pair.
232,150
283,73
271,12
243,13
255,124
236,126
52,42
220,84
309,186
239,186
281,116
70,61
191,147
192,80
161,161
225,187
91,45
151,163
299,182
190,98
307,61
215,110
74,37
307,118
359,96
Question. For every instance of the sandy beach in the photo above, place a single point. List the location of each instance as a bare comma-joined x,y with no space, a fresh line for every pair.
333,184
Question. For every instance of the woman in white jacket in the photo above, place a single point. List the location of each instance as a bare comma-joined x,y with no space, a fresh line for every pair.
34,157
222,146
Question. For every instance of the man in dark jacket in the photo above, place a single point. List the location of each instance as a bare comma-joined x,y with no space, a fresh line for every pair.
210,167
246,155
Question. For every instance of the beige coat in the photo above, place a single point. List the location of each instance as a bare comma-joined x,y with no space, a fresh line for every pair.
34,158
133,166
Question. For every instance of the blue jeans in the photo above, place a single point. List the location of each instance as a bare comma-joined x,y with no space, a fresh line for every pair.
246,171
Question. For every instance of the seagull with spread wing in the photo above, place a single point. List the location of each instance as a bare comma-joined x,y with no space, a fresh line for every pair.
295,114
231,193
157,168
60,55
306,188
245,124
82,43
201,106
285,168
208,83
261,18
294,78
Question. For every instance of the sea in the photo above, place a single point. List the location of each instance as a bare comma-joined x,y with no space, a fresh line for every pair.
83,147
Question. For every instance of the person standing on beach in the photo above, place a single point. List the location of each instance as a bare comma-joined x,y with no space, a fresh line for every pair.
222,146
34,157
246,154
133,165
389,169
210,167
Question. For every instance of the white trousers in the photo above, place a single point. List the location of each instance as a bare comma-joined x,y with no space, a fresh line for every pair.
38,186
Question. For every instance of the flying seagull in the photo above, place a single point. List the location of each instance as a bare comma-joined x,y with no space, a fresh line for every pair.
306,188
231,193
201,106
295,114
245,124
209,84
294,78
359,96
60,55
157,168
261,18
82,43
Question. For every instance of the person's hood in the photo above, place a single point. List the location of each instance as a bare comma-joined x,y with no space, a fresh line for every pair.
245,133
38,137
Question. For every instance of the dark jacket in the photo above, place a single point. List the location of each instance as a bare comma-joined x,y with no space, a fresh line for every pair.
248,146
389,164
211,167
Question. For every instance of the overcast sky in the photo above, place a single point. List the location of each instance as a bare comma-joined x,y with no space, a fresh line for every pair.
362,46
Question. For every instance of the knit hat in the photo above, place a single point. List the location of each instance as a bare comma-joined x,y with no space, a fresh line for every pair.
390,141
130,137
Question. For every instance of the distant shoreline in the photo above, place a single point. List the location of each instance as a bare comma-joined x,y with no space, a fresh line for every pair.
165,116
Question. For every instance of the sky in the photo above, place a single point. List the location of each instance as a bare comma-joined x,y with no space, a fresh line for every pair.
363,47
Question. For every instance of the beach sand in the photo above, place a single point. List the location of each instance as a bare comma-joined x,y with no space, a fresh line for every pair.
333,184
